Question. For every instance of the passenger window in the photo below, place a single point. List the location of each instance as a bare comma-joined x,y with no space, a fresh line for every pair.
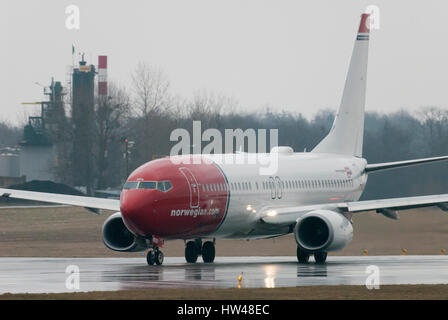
147,185
130,185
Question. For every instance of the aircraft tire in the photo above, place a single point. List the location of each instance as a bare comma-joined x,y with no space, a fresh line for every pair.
158,257
320,257
302,256
191,252
208,252
150,257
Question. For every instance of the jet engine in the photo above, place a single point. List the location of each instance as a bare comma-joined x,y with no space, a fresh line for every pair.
118,238
323,230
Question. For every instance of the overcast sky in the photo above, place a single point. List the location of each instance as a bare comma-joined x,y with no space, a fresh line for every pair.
290,55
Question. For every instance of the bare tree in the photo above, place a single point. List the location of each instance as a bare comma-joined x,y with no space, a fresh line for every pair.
435,121
9,134
151,98
110,116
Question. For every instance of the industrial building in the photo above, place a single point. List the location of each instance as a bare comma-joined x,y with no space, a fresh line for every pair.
48,138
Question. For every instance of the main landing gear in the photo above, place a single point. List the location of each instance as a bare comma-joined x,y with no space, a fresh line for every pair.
154,256
303,256
195,248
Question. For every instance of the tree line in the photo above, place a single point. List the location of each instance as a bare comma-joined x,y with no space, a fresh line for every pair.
148,111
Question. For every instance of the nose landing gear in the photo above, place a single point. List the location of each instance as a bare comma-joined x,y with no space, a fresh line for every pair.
195,248
154,256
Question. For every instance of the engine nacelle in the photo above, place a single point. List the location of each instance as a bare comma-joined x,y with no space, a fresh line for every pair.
323,230
118,238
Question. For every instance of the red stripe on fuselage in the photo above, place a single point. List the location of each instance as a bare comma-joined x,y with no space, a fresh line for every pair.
186,210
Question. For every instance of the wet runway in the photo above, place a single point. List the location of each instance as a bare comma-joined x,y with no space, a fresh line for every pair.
37,275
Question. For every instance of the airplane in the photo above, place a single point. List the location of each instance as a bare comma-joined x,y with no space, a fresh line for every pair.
313,195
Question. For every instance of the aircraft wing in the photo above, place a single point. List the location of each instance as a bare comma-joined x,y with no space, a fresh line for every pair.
387,207
91,203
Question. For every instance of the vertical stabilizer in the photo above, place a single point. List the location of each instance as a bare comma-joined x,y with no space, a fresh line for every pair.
346,134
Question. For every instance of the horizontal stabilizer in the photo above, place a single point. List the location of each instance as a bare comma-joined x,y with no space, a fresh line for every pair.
392,165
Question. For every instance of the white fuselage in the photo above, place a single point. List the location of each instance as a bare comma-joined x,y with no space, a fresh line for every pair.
302,179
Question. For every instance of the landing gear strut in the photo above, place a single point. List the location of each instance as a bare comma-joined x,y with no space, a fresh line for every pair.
154,256
195,248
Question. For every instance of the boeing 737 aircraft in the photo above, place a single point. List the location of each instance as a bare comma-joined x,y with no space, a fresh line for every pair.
312,194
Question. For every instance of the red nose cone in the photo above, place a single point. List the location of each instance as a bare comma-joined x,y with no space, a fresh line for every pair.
193,203
135,210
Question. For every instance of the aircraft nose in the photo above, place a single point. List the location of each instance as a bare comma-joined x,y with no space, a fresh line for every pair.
135,206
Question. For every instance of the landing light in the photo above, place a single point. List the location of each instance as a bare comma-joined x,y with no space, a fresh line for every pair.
249,208
272,213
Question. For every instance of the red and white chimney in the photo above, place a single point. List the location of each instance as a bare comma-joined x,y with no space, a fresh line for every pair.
102,75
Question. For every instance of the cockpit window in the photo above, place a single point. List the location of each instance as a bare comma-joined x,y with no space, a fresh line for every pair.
147,185
168,185
164,185
160,185
130,185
